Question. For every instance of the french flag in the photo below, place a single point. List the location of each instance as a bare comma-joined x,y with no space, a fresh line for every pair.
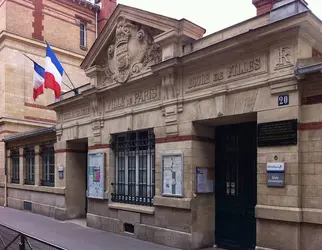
39,79
53,72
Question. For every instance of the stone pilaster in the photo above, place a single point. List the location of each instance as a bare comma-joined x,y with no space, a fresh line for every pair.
38,165
171,106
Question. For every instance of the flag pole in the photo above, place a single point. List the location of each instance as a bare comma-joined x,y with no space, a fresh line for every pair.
39,64
75,90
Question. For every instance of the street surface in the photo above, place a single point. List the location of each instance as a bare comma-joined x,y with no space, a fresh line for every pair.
69,235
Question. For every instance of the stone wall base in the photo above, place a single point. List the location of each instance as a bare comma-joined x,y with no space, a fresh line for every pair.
144,232
38,208
1,196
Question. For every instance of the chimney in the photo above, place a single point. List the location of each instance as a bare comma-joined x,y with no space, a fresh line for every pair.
264,6
107,8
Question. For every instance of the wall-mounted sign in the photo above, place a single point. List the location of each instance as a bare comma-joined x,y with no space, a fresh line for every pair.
172,174
283,100
275,174
95,176
279,133
205,180
61,173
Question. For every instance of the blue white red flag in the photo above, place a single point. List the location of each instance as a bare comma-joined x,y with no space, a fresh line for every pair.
39,79
53,72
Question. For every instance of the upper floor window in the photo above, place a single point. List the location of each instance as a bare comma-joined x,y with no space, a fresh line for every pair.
48,166
135,167
15,161
82,34
29,155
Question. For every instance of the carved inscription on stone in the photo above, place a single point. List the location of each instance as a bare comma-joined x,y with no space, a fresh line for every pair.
227,73
284,57
135,98
85,111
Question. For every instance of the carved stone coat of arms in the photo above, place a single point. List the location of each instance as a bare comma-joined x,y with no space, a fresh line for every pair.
132,52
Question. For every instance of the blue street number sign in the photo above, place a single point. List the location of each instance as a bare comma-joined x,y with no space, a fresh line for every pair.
283,100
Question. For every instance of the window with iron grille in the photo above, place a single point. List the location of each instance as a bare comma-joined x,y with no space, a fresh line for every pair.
29,155
48,166
135,167
15,161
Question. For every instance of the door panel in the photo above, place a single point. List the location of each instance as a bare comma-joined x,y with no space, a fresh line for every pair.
235,195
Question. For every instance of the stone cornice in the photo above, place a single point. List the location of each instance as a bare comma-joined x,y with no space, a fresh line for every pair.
263,34
8,35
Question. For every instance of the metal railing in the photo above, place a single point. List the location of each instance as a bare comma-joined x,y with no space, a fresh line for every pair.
141,194
15,240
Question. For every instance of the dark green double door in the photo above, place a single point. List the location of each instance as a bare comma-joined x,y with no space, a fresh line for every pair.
235,166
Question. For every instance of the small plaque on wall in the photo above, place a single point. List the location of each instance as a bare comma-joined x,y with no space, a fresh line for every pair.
205,179
281,133
172,174
275,174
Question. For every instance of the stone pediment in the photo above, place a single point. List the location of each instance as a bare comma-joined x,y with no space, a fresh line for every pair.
131,42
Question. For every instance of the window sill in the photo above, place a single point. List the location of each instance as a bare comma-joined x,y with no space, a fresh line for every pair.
132,208
83,48
42,189
162,201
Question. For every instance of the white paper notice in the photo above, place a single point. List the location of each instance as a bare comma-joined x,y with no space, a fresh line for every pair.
172,166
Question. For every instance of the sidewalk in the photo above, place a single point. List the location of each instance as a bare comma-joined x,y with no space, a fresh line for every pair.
71,236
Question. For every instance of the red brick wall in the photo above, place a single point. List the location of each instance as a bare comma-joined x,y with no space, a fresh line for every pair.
56,21
264,6
316,53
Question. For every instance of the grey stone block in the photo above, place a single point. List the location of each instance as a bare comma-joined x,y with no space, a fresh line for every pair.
111,225
129,217
15,203
163,236
94,221
60,214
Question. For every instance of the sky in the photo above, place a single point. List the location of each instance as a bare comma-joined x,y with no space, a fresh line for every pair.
213,15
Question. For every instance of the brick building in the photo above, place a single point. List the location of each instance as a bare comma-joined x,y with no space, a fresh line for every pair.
186,140
70,27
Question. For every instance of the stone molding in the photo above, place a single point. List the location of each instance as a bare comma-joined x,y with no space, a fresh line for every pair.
43,45
131,208
42,189
264,248
289,214
278,213
183,203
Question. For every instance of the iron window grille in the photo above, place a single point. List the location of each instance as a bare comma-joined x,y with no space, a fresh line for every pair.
135,168
48,166
29,155
15,162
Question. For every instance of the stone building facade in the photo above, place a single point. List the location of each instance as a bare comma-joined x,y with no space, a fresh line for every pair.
166,106
70,27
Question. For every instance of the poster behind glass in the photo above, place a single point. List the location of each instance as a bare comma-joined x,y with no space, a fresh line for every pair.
95,176
172,175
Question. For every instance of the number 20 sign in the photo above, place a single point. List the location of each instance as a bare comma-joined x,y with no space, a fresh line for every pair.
283,100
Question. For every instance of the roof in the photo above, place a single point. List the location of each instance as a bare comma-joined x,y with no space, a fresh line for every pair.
28,134
86,3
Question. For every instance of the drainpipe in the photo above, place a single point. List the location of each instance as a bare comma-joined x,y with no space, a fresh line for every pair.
96,23
5,175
